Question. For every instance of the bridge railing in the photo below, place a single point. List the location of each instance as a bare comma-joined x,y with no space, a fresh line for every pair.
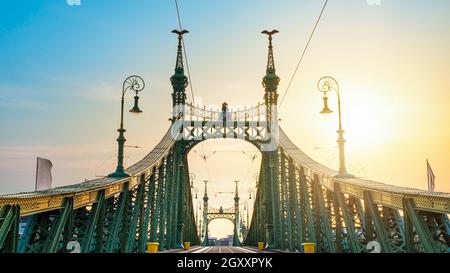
252,113
87,192
310,204
384,194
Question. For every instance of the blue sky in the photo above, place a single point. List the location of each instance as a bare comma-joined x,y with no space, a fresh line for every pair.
62,67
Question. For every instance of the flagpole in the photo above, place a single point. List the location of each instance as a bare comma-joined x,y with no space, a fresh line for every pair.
430,177
37,167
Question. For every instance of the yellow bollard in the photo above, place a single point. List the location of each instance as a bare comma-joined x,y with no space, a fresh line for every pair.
260,246
308,247
152,247
187,245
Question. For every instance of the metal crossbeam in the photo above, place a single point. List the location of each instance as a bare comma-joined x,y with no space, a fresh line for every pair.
298,200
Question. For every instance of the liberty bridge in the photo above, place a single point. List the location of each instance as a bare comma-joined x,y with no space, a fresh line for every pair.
297,201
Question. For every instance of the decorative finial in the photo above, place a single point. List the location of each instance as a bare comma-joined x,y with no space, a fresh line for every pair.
270,33
180,33
206,189
270,60
236,194
179,64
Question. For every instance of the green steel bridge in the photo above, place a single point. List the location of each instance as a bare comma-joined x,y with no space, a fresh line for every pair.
298,200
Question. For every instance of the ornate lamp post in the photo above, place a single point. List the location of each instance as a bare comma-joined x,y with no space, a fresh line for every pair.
136,84
326,84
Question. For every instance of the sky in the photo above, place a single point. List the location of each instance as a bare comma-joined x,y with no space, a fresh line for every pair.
62,68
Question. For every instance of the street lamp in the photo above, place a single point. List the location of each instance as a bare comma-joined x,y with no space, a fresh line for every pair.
326,84
136,84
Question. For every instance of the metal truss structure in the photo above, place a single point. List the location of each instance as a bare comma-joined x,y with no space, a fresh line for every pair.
298,200
232,214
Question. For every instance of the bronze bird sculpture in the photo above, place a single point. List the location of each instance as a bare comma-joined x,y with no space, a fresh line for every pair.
270,33
180,33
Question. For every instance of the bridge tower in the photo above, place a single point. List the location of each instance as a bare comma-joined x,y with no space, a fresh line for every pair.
205,216
178,80
236,241
269,179
179,83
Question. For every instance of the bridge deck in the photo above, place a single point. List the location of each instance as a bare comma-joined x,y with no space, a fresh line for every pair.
220,249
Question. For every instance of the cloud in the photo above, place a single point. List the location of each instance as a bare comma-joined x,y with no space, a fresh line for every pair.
19,98
100,91
20,103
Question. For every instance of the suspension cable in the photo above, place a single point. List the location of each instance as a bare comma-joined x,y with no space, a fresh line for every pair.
185,55
303,53
191,87
249,168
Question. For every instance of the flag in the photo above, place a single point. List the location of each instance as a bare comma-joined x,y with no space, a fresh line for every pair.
430,177
43,174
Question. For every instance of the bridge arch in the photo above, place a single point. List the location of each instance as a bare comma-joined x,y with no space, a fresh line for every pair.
298,200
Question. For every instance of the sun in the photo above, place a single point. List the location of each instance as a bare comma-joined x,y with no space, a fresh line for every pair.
367,118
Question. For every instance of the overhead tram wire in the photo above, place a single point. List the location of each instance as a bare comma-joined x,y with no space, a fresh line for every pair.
303,53
244,182
190,84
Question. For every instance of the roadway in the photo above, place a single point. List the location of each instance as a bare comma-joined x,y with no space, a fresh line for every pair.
219,249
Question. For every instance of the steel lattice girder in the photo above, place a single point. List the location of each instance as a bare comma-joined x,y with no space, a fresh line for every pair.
9,225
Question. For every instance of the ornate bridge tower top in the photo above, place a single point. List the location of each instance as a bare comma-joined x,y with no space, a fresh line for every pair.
271,80
270,61
179,80
205,197
236,193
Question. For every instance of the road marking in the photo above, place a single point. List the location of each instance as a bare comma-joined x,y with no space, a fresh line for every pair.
245,250
202,250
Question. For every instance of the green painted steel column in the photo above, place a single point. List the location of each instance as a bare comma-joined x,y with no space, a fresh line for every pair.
426,238
309,234
369,227
288,196
178,152
349,224
295,205
154,211
273,193
268,206
172,168
409,231
136,213
125,220
181,187
14,241
149,210
142,232
316,196
112,239
382,235
338,223
68,228
100,229
160,202
164,226
322,217
93,218
59,224
9,223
